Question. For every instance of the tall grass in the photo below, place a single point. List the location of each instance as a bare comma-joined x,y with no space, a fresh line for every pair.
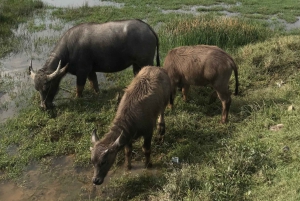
225,32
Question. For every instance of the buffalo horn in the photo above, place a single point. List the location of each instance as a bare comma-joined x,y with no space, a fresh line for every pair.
31,72
55,73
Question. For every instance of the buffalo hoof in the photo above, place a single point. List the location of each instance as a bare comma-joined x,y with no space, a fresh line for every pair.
223,121
128,167
149,165
159,140
48,106
97,181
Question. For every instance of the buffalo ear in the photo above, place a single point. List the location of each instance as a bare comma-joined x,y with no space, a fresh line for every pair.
94,138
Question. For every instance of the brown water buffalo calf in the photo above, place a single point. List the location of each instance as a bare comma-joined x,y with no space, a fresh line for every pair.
143,101
201,65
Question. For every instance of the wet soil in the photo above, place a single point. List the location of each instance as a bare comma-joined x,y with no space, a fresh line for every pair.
60,180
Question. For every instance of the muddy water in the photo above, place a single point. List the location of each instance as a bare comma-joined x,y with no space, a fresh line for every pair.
59,180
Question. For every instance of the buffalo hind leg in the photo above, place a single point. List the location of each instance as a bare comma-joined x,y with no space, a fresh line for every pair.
136,69
147,149
226,101
161,127
138,65
128,151
92,77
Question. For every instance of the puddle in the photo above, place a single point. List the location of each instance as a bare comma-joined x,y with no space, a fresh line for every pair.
290,26
61,181
35,46
79,3
194,10
14,67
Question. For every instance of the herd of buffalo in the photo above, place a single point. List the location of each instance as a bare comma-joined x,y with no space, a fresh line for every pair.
113,46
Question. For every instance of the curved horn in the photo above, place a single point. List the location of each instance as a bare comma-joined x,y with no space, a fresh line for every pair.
31,72
55,73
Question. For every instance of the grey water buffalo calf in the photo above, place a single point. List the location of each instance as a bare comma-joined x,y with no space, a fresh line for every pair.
89,48
201,65
143,101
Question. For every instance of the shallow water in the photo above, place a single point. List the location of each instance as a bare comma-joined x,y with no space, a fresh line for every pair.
62,181
79,3
35,46
290,26
194,10
14,67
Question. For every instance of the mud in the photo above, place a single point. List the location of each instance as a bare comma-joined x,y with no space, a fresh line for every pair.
60,180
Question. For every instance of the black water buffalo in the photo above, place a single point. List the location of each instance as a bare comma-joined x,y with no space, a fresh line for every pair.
89,48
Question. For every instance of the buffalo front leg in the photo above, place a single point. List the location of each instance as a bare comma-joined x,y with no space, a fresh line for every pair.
79,91
147,150
81,80
213,97
92,77
185,90
226,102
128,151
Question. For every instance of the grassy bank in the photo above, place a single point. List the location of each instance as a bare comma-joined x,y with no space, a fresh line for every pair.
242,160
13,12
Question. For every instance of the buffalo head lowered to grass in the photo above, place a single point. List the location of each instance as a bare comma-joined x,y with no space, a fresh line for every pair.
89,48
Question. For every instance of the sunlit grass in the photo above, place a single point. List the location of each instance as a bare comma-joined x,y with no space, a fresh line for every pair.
225,32
242,160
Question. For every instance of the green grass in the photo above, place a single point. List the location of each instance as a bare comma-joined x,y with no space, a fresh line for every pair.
228,33
242,160
287,11
13,12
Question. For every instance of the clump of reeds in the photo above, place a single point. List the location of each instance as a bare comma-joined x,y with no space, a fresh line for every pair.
225,32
